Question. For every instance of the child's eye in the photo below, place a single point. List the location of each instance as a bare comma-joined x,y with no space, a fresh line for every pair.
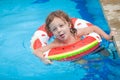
61,25
54,29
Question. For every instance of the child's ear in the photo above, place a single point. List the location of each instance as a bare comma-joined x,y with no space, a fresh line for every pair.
70,25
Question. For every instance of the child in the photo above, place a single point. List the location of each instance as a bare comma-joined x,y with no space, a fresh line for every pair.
59,24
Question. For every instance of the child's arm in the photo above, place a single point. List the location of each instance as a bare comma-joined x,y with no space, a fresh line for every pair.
102,33
84,31
87,30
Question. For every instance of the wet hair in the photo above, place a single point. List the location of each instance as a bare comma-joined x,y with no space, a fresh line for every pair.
59,14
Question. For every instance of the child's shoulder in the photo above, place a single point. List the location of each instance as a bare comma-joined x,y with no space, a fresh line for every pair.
53,44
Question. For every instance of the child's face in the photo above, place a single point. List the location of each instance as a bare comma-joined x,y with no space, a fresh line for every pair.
60,28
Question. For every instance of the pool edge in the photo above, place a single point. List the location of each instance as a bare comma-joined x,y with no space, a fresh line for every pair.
111,12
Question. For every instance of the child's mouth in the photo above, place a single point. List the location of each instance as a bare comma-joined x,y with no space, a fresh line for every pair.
62,35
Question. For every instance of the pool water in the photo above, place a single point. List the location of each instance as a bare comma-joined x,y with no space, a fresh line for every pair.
19,19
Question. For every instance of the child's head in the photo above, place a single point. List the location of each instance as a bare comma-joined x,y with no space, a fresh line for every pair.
61,15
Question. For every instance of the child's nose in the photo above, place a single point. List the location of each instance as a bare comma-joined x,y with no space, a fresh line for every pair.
59,29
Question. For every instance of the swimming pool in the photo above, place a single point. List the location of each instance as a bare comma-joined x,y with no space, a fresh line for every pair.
20,19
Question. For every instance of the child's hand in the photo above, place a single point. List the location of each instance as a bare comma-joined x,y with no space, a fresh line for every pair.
46,61
112,33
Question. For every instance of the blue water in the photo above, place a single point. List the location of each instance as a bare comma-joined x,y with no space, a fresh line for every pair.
19,19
